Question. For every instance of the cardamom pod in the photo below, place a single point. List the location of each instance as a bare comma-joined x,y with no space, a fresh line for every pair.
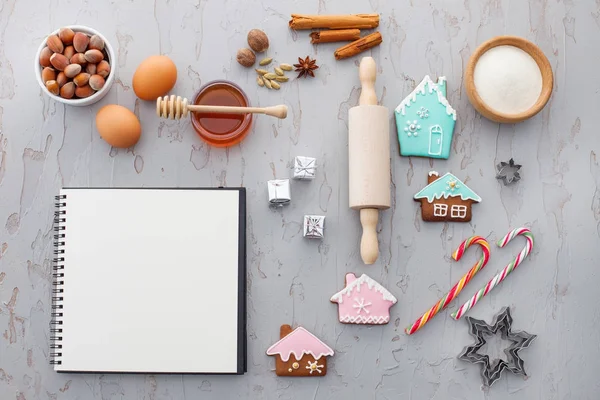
268,83
265,61
270,75
260,81
275,85
261,71
282,78
286,67
279,71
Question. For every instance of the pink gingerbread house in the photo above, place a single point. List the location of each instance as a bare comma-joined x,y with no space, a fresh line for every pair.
363,301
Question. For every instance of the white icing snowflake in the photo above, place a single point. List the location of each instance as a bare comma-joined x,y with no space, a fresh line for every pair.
452,185
361,305
423,113
412,128
313,366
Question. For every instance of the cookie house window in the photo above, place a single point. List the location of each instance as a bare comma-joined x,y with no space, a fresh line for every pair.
458,211
440,210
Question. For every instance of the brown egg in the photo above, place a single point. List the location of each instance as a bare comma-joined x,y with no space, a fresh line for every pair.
154,77
118,126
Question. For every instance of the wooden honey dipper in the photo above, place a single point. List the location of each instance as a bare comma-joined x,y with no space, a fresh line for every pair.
176,107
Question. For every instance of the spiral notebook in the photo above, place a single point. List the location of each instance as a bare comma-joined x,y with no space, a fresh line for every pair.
150,281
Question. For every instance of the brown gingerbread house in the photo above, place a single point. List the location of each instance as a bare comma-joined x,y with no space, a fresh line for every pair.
446,198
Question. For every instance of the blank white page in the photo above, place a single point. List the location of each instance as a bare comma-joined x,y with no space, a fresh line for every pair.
151,281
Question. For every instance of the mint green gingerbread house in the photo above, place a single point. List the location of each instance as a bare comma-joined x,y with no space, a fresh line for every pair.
425,121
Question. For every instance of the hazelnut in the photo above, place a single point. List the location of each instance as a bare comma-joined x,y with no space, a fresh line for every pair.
246,57
52,87
69,52
91,68
66,35
45,55
81,79
258,40
96,82
96,43
59,61
80,42
103,68
78,58
94,56
54,44
72,70
68,90
62,79
84,91
48,74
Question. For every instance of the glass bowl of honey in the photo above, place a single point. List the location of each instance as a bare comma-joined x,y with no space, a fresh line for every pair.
221,130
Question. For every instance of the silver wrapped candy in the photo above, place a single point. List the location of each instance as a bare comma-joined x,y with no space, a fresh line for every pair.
305,167
314,226
279,192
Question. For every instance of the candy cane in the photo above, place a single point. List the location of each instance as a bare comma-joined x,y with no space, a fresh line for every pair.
459,286
495,281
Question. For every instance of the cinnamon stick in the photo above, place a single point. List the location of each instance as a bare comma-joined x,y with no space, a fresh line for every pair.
335,35
358,46
356,21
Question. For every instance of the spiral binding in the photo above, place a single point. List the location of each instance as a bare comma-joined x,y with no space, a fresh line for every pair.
58,275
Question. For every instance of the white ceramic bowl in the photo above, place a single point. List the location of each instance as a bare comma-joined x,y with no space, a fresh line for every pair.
100,93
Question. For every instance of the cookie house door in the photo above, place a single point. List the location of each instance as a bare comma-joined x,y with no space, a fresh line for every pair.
436,136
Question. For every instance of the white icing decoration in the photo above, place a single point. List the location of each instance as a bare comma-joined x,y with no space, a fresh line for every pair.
433,173
361,305
445,194
356,284
313,366
364,319
420,89
423,113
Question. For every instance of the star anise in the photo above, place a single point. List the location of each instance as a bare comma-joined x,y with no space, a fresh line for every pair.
306,67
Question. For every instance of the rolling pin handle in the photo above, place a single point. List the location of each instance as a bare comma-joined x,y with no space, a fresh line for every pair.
367,73
369,248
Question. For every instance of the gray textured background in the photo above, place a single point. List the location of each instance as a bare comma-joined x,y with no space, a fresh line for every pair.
44,145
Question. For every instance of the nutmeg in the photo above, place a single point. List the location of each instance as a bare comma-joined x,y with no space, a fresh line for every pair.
94,56
67,91
72,70
84,91
103,68
54,44
81,79
96,43
69,52
80,42
246,57
45,55
48,74
61,78
78,58
59,61
66,35
52,87
96,82
258,40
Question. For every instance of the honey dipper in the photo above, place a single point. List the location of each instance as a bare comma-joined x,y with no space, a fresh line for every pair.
176,107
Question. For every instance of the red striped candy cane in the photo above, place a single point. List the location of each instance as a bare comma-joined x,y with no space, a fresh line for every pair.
495,281
459,286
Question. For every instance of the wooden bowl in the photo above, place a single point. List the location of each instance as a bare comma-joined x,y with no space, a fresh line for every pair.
541,61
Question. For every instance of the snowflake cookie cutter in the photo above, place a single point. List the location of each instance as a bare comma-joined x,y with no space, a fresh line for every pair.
491,372
508,172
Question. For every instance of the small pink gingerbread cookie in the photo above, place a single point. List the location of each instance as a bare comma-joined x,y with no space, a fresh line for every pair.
363,301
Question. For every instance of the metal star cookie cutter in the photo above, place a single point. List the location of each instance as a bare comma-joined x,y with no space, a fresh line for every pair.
508,172
490,373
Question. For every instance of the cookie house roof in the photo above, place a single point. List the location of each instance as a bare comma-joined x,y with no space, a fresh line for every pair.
299,342
438,189
356,284
427,85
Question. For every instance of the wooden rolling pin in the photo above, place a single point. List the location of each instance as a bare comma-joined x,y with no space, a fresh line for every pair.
369,160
